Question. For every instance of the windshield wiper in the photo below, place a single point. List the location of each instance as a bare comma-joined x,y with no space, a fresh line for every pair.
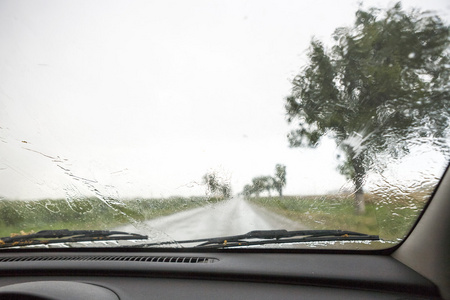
67,236
273,237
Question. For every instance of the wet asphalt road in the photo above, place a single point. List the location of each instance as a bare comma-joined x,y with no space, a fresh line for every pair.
235,216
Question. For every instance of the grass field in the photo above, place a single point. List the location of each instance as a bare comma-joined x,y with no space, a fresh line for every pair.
87,213
391,219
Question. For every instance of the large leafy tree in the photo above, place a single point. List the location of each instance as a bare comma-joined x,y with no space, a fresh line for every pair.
386,78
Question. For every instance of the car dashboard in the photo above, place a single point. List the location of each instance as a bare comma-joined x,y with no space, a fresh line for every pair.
218,275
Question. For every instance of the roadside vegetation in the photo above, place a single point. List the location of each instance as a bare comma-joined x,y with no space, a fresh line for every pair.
389,218
88,213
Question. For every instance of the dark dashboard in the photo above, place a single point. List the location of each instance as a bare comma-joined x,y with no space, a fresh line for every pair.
218,275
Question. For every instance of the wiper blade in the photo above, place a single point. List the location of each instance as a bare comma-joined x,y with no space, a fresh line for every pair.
275,237
67,236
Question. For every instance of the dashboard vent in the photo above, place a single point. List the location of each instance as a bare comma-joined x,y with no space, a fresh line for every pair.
148,259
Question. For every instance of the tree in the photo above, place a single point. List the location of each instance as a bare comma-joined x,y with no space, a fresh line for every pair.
211,182
279,181
258,185
267,183
247,191
385,79
216,185
225,189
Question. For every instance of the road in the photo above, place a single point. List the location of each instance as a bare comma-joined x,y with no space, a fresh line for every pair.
235,216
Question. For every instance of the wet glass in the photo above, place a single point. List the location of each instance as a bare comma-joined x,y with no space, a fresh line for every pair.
190,119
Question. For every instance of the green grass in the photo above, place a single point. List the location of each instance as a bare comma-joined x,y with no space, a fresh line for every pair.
391,219
87,213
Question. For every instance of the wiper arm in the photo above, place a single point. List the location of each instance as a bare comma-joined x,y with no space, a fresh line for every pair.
275,237
67,236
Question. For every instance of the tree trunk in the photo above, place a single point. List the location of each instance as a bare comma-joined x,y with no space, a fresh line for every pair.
360,206
358,180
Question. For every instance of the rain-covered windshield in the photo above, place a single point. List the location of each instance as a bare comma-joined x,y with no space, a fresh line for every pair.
181,120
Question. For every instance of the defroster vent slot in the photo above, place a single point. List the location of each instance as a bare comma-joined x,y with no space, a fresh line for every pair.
144,259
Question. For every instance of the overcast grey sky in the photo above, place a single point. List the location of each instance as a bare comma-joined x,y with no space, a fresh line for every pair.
141,98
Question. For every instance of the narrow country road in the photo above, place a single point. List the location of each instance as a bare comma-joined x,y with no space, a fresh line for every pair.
235,216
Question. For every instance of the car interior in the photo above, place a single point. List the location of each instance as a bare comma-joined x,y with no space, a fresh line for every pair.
129,114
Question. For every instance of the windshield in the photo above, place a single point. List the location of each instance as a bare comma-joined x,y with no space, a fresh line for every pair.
172,121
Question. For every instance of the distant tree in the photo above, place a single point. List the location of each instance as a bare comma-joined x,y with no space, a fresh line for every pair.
279,181
267,183
385,78
216,185
247,191
211,182
225,189
258,185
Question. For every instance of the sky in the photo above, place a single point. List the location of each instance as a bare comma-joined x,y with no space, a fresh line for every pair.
142,98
